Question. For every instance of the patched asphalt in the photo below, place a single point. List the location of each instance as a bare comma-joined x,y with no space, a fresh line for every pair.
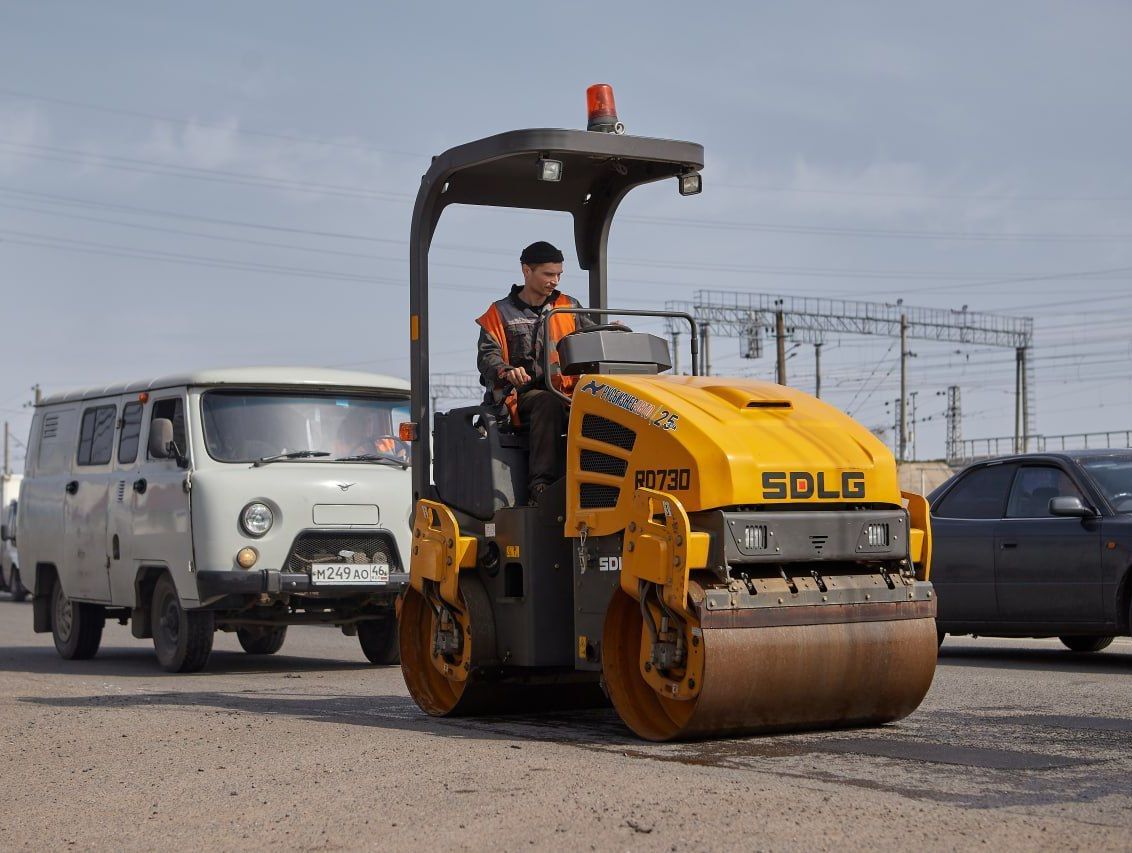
1020,743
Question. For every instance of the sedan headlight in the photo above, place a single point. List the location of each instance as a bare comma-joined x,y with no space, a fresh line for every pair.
256,519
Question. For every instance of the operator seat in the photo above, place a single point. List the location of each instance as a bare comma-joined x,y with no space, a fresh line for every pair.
480,465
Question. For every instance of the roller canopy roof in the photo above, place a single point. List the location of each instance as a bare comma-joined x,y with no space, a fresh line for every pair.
598,169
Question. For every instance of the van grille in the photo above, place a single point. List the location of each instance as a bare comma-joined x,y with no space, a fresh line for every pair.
603,463
610,432
323,546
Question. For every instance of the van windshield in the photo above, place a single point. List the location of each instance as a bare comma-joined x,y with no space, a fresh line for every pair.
243,426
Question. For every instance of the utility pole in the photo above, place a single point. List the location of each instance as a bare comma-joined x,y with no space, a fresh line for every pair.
902,432
954,424
1021,402
1022,414
675,353
705,349
913,426
7,455
780,345
817,370
899,416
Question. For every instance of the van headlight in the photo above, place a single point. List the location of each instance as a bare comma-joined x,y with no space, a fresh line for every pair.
256,519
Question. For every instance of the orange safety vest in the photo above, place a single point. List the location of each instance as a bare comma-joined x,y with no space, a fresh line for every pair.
494,322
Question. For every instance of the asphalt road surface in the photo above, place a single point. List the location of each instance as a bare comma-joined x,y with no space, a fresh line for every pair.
1019,745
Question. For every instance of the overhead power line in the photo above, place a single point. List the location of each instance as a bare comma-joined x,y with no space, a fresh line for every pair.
154,167
193,122
363,146
833,272
969,197
291,246
132,164
844,231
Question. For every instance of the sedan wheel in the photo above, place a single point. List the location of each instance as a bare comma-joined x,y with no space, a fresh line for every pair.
1086,644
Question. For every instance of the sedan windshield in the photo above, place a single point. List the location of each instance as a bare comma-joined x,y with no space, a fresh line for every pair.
1113,475
246,426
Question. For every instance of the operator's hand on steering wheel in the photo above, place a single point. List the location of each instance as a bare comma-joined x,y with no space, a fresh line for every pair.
517,376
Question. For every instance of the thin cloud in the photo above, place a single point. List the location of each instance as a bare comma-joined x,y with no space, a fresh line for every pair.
21,125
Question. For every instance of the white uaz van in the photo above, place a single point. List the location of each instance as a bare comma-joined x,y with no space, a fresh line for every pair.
243,500
9,558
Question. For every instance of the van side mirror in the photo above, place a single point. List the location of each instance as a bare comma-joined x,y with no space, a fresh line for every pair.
161,438
1070,506
4,537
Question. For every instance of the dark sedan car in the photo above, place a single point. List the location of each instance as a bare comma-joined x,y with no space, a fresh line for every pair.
1037,545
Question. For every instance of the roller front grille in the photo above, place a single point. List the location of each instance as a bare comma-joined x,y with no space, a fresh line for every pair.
603,463
607,431
596,496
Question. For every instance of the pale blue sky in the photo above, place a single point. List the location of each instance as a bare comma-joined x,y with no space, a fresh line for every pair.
209,184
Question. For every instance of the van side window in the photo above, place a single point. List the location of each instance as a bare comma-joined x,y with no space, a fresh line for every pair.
174,410
96,435
131,432
55,442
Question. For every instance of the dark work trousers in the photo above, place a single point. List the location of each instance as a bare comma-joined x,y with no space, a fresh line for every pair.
544,414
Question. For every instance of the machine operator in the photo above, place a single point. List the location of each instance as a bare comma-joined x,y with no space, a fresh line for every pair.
510,357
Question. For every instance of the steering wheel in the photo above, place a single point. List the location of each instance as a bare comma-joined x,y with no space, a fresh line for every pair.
602,327
369,445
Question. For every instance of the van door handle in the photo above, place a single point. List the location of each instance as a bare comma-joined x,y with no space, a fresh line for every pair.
1006,546
72,487
140,486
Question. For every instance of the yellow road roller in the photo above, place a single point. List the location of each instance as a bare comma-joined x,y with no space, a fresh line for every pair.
722,556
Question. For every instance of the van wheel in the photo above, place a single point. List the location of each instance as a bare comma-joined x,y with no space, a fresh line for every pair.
378,639
75,627
1085,644
182,638
261,640
18,590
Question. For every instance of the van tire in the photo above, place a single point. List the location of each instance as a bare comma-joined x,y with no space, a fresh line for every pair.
76,627
261,639
182,639
18,590
378,639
